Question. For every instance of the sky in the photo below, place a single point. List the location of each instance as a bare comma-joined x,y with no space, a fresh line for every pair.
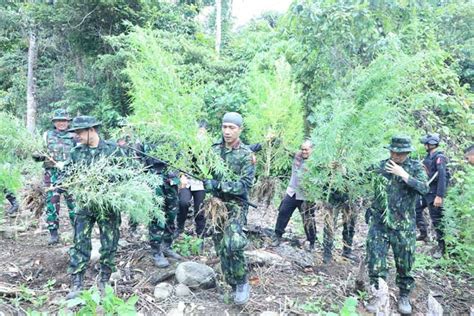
244,10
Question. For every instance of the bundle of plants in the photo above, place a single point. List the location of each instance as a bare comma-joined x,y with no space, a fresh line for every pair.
265,189
216,212
115,185
32,196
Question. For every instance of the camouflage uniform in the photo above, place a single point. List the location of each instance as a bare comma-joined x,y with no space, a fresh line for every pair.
109,225
339,201
392,218
162,232
230,240
59,145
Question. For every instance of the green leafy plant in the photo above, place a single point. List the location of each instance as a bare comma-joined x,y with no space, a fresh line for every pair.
188,245
93,304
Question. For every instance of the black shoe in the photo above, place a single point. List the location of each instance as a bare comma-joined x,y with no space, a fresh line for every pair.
327,258
13,208
404,306
104,277
242,293
76,287
54,237
276,241
312,247
422,237
160,260
346,253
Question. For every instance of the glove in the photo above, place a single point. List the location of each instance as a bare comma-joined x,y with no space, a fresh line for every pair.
255,147
211,185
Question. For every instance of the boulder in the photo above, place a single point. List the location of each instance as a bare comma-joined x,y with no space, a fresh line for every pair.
182,290
163,291
297,256
196,275
262,257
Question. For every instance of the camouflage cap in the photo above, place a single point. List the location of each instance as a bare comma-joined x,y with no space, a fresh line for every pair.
83,122
400,144
432,139
60,115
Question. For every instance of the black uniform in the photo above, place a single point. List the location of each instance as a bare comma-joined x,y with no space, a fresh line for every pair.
435,165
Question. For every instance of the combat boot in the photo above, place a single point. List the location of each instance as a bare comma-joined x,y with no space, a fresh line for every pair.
159,258
168,252
312,247
276,241
104,277
54,237
404,306
242,293
76,286
423,236
347,253
13,207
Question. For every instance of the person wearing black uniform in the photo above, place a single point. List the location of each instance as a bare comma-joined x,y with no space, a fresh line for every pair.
435,164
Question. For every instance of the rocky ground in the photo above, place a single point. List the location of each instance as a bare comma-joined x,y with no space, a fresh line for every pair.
285,280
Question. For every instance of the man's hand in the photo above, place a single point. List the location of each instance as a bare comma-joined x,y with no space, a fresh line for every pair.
438,201
393,168
211,185
183,180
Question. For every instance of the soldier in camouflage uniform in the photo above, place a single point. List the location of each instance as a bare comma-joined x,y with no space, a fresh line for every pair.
230,239
339,201
90,149
161,234
397,181
59,143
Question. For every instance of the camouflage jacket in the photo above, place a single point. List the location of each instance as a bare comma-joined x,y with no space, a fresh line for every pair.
239,161
87,155
59,145
394,200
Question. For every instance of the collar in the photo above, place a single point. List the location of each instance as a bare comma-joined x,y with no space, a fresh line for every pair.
235,145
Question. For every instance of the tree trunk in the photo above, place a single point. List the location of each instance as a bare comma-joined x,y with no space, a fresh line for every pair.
218,26
31,84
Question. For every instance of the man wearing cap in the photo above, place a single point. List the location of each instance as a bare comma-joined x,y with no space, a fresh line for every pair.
59,143
91,148
397,181
230,239
435,165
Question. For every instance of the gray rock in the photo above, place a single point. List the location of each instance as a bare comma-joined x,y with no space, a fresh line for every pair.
163,291
116,276
182,290
196,275
297,256
262,257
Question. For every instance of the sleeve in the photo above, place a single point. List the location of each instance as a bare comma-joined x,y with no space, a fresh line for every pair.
441,168
243,185
417,179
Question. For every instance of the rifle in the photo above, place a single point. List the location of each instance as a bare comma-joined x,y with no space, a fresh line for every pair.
184,172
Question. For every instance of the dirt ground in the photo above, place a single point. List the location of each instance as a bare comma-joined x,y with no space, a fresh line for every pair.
33,275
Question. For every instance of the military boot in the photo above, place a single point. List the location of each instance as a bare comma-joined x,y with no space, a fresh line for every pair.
104,277
423,236
347,253
76,286
168,252
242,293
404,306
160,260
14,205
276,241
54,237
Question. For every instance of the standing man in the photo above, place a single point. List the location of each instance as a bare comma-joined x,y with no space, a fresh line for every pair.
59,143
435,165
230,239
339,201
398,181
295,198
161,234
90,149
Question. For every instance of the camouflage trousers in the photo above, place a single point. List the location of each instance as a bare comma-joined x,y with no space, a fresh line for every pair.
53,200
403,243
109,228
229,242
160,231
331,215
